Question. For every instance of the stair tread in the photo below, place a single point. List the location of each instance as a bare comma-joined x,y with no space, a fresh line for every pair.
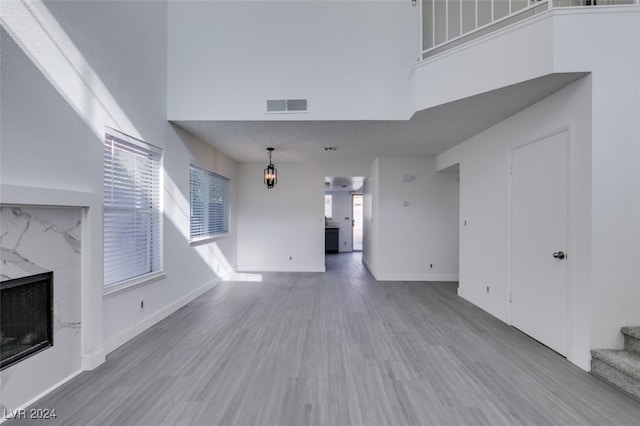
625,361
631,331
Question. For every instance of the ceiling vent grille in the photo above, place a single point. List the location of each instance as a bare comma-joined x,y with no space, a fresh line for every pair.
287,105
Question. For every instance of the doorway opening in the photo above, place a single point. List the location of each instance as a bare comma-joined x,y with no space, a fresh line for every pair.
343,212
356,222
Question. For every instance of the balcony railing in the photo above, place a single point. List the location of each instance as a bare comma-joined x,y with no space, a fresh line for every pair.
448,23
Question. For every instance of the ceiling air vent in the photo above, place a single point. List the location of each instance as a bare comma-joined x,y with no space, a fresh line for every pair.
287,105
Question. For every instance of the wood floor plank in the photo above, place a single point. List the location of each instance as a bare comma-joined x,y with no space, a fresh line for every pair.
335,348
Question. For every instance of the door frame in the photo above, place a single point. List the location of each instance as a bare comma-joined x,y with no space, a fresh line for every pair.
570,226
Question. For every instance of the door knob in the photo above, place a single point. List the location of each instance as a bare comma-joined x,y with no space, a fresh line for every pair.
559,255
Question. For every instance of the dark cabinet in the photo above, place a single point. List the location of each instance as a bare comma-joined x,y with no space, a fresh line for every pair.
331,240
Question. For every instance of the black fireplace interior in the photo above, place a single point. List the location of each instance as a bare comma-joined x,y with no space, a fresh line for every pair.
26,317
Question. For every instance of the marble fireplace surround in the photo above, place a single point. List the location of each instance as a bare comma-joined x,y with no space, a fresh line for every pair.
69,225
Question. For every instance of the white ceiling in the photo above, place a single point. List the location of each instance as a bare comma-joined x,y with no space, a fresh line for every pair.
428,132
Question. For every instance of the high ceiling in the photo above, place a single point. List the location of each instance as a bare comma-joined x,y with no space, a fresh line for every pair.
428,132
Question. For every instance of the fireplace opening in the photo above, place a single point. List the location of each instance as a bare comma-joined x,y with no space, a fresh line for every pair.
26,317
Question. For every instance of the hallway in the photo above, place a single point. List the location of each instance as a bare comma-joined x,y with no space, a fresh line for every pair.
335,348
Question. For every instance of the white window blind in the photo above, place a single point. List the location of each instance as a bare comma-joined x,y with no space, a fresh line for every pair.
132,212
209,203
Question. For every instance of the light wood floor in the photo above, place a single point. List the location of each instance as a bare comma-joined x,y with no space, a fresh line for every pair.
336,349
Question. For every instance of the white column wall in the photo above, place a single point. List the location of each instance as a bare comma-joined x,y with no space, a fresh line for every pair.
419,241
370,237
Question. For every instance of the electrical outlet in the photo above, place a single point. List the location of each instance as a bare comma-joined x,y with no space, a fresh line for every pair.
488,289
141,305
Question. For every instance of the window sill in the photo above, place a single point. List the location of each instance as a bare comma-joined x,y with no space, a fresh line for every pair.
132,283
209,238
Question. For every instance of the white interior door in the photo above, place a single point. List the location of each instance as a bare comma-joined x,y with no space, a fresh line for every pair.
539,238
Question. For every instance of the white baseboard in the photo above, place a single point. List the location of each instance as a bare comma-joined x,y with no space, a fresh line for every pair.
408,277
462,293
281,269
153,319
417,277
17,410
370,268
89,362
581,359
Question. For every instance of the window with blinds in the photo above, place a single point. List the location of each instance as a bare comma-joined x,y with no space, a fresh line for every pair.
209,203
132,212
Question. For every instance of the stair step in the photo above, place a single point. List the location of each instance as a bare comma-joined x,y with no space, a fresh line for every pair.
620,368
625,361
631,331
631,338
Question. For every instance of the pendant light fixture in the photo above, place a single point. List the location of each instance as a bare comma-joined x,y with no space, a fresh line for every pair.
270,173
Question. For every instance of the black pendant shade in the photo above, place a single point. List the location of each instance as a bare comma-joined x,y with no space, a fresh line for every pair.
270,173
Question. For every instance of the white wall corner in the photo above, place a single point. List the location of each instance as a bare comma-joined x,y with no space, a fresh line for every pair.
91,361
370,268
580,358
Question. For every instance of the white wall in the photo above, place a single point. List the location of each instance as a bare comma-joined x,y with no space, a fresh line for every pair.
286,221
342,206
55,104
613,56
349,58
485,198
425,232
190,270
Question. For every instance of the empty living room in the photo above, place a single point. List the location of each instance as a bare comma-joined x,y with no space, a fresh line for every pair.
164,230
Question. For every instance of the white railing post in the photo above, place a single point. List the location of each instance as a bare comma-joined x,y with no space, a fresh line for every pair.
420,30
433,22
446,20
476,25
460,24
